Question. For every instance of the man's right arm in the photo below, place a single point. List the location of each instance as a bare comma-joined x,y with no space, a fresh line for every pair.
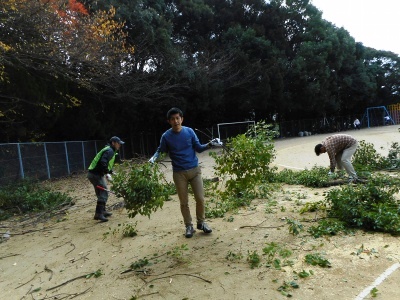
161,148
332,160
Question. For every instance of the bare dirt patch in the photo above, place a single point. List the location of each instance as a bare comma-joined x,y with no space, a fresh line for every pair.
47,259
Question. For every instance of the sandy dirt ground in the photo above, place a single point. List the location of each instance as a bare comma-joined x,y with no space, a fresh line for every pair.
52,258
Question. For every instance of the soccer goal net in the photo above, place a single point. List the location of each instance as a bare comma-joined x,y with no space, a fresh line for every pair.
230,130
378,116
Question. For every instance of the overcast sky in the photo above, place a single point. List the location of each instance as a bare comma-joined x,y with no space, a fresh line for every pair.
375,23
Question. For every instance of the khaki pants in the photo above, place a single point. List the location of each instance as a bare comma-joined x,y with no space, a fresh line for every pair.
182,179
343,160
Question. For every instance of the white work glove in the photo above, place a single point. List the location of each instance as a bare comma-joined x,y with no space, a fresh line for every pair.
152,160
109,177
216,143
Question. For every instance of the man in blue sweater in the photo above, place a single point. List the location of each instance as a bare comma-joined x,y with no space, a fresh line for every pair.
182,143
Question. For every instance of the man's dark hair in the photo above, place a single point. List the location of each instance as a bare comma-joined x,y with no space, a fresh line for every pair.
318,149
174,111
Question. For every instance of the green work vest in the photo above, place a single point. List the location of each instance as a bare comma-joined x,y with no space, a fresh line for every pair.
98,156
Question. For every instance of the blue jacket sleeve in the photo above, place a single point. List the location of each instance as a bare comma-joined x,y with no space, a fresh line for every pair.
196,143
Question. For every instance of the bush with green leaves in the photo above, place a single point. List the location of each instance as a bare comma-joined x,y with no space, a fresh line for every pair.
328,227
217,207
372,206
317,259
394,156
366,158
245,163
253,258
316,177
143,187
29,195
274,252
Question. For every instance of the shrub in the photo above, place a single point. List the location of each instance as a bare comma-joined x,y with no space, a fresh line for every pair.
143,187
367,158
28,195
316,177
371,206
246,162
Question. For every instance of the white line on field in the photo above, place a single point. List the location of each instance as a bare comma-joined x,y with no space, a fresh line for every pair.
290,167
378,281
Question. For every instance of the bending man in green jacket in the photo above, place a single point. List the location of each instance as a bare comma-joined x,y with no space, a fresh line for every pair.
100,168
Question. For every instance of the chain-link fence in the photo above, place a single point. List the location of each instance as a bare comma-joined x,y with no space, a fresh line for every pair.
46,160
49,160
320,125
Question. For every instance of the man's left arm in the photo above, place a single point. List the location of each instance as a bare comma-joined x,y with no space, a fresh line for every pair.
105,158
196,143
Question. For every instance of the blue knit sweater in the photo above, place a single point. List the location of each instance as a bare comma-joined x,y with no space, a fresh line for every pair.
181,147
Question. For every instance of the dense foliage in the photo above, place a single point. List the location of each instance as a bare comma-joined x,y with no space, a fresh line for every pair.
367,158
29,196
316,177
143,188
101,67
372,206
244,169
245,163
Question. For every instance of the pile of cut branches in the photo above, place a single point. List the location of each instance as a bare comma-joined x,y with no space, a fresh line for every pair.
142,186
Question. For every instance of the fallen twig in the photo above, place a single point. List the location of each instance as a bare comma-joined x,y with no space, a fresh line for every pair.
65,295
81,293
70,250
49,270
257,226
132,270
183,274
9,255
57,246
84,257
48,228
95,274
28,280
66,282
145,295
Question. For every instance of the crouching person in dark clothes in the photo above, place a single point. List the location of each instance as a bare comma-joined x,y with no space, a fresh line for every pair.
99,170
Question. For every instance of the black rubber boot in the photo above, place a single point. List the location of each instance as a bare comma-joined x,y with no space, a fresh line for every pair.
99,215
106,213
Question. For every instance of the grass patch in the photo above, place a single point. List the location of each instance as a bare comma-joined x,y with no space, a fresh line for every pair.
28,196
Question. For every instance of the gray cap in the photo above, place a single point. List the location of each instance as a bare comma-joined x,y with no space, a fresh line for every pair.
117,139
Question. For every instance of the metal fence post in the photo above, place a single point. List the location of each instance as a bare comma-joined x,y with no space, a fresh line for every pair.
21,166
47,161
83,156
66,156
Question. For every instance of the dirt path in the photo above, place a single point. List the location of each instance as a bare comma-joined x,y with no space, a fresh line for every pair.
40,256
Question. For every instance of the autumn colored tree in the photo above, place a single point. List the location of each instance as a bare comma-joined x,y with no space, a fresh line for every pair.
48,49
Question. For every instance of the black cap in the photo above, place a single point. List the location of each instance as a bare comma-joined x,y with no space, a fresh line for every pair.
117,139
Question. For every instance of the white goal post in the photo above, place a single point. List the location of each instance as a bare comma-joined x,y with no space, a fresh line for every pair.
228,130
378,116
